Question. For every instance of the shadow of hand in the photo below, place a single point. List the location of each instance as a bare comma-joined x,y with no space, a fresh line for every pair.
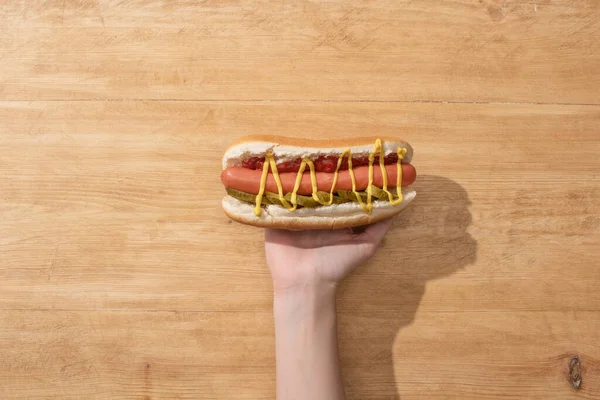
428,241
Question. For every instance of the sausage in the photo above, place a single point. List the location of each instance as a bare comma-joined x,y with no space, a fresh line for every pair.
248,180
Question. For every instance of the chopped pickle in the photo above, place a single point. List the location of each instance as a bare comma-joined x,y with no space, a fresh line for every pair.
378,193
303,201
342,196
246,197
324,197
349,195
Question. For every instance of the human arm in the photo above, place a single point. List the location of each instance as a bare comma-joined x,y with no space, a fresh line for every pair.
306,267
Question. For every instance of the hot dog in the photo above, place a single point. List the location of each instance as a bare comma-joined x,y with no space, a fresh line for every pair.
289,183
248,180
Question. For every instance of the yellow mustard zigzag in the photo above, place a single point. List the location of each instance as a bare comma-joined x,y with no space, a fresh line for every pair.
368,207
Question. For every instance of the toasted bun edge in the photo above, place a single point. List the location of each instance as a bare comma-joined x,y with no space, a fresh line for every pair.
287,148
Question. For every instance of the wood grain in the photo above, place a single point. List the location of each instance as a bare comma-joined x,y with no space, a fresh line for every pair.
121,278
136,355
468,50
216,355
111,209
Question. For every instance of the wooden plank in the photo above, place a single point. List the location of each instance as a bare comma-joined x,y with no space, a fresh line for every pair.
470,355
462,51
140,355
115,255
217,355
121,202
117,274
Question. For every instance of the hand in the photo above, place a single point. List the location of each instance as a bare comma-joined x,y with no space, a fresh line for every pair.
316,258
306,267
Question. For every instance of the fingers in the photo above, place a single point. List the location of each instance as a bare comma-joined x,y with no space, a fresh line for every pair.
374,233
308,238
359,229
280,236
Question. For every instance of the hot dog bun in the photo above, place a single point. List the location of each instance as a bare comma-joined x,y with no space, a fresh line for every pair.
335,216
286,148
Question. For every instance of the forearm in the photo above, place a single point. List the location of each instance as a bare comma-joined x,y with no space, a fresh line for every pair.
306,344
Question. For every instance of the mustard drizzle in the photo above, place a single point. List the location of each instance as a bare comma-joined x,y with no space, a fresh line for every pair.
368,207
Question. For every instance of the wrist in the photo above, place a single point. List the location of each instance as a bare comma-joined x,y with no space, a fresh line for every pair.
306,343
303,301
320,292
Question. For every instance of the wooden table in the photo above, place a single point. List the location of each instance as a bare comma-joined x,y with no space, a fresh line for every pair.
121,278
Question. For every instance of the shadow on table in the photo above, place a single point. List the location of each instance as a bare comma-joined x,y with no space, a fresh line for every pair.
429,240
